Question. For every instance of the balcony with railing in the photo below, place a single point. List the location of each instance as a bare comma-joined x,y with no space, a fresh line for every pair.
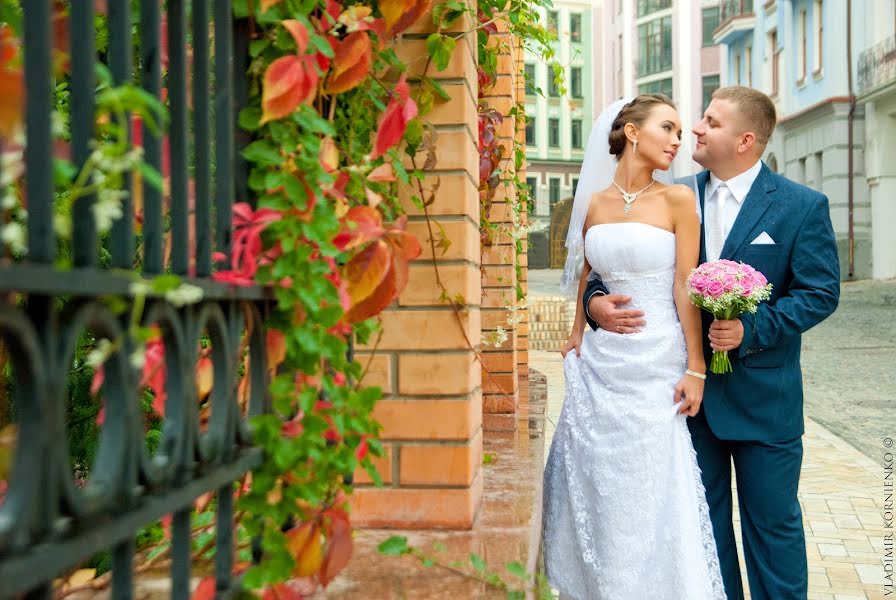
736,20
877,65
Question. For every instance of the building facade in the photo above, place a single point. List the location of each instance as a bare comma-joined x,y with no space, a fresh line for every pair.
803,54
559,123
659,46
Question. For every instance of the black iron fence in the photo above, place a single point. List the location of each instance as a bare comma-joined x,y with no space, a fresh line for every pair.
49,520
877,65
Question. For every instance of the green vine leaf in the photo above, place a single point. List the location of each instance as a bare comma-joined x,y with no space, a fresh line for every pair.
394,546
440,48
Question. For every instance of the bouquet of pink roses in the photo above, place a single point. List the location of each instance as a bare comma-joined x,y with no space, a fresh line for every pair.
727,289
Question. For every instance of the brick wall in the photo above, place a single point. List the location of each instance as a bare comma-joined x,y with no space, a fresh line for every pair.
431,410
552,318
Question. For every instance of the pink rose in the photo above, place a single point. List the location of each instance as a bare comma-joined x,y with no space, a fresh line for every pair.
715,288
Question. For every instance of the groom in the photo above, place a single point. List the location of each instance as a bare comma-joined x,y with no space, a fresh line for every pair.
754,415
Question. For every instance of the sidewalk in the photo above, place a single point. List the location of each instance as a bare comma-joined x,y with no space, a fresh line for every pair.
842,497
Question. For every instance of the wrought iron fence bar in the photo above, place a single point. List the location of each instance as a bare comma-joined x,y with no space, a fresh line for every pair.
177,93
201,143
43,592
17,572
123,570
38,279
83,107
224,538
224,124
180,555
121,65
151,81
241,39
39,145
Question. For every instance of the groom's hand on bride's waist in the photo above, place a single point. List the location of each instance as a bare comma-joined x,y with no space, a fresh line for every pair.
726,334
607,311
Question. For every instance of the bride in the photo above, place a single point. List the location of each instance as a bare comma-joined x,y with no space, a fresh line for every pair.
625,514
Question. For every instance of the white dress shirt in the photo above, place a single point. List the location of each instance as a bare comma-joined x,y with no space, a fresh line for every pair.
739,187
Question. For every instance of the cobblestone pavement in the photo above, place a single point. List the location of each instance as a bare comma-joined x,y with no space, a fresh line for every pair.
850,387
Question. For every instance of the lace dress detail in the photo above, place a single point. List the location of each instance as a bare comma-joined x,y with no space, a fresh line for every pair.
625,513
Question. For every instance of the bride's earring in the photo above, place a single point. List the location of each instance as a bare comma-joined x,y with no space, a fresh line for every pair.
635,144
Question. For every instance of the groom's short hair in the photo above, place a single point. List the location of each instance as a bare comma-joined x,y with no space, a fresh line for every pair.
755,107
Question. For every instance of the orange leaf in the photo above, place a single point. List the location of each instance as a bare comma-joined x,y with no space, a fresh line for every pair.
204,373
384,172
275,343
381,297
351,62
401,14
354,17
299,33
12,86
366,271
81,576
339,547
202,501
373,199
303,542
405,247
287,83
266,4
205,590
329,154
367,226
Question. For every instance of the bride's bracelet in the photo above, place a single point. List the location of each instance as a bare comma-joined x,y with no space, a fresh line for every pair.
695,374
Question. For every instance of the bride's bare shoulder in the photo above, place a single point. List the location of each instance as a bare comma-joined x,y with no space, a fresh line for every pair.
678,195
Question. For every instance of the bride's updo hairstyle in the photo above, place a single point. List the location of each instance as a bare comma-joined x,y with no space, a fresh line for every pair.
635,112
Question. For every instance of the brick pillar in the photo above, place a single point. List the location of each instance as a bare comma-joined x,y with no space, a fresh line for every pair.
431,410
500,386
522,259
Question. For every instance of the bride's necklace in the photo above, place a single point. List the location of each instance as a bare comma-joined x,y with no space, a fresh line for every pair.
629,197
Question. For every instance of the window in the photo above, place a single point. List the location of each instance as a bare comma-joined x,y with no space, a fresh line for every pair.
772,163
710,24
553,88
773,53
737,68
575,27
645,7
576,81
710,85
577,133
801,171
819,173
530,80
748,66
575,185
554,190
802,57
553,20
663,86
554,133
655,45
819,37
530,131
531,182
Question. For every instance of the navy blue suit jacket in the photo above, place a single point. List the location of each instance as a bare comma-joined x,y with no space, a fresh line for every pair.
762,399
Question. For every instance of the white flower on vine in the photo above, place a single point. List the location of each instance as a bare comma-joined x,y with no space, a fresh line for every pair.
8,200
139,288
62,225
138,358
99,354
58,124
13,235
107,209
184,294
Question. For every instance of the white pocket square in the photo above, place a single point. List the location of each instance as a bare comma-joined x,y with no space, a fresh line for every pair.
763,238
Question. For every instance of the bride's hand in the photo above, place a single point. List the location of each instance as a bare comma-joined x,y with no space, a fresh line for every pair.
574,341
689,393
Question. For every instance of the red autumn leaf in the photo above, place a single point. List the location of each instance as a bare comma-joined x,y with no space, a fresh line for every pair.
205,590
351,62
299,33
401,14
292,428
339,545
202,501
248,251
361,224
362,450
204,377
12,85
373,199
287,83
365,273
394,122
303,542
405,247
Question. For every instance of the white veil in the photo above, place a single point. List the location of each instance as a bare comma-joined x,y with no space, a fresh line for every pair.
598,169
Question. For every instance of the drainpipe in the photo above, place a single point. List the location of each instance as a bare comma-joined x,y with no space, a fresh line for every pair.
850,124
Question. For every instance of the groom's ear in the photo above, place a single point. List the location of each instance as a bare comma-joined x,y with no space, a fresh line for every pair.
747,142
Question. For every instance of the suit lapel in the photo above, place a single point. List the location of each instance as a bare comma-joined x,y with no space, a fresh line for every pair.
702,178
755,204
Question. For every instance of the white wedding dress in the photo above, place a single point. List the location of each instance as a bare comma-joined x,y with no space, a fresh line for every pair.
625,513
